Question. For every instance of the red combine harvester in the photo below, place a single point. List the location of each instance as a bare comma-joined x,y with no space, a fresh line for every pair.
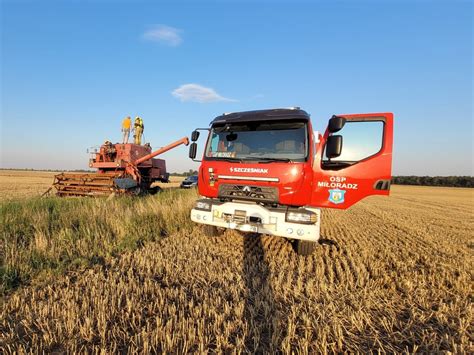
122,168
268,172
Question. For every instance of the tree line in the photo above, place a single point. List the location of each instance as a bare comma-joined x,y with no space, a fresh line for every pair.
186,173
447,181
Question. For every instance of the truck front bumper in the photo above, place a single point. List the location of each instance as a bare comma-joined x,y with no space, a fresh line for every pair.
257,219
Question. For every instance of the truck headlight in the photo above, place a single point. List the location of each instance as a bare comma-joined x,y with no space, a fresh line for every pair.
203,205
304,217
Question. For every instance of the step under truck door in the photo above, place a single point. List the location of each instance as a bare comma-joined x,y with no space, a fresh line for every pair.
364,166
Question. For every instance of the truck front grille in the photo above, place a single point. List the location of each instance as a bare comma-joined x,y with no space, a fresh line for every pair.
248,192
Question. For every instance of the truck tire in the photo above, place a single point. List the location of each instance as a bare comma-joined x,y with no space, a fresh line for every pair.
211,231
304,247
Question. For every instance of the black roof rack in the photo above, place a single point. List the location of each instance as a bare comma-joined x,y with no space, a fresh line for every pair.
263,115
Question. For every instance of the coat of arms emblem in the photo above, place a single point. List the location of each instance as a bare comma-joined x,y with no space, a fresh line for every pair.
336,196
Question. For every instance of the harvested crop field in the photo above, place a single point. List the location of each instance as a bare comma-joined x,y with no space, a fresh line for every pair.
20,184
391,274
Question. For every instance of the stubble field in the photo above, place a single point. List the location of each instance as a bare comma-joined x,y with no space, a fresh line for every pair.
391,274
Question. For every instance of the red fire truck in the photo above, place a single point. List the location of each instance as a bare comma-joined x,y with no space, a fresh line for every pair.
268,172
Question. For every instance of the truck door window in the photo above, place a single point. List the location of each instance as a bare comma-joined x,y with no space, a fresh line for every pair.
214,143
360,140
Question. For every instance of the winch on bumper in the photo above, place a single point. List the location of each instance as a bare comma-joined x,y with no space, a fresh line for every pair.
294,223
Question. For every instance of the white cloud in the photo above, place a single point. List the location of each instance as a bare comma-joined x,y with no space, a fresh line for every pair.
198,93
164,34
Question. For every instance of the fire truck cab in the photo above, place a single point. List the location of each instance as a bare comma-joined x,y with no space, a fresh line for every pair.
268,172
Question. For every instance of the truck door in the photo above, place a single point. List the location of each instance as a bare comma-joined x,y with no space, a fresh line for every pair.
353,160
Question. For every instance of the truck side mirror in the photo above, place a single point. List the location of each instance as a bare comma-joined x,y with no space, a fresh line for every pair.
195,136
193,150
336,123
334,146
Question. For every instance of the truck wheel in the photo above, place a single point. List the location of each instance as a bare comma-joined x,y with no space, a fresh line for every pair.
211,231
304,247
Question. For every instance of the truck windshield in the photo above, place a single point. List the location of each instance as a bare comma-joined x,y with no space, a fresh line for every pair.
264,141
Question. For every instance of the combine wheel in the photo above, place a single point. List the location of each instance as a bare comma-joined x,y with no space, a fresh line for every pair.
136,191
154,190
304,247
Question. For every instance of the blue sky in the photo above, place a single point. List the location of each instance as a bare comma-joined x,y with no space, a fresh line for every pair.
72,70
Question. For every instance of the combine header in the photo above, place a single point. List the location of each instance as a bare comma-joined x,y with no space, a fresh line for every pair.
121,168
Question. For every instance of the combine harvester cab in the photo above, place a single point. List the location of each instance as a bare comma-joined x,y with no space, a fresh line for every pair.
121,169
268,172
